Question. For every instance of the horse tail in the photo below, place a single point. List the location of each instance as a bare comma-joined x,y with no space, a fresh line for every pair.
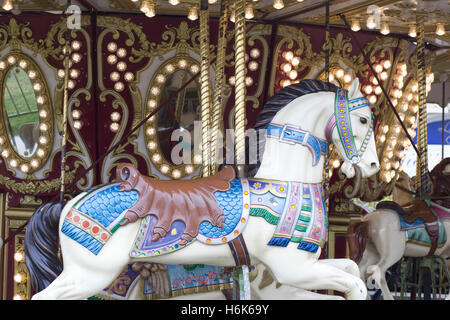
356,238
41,245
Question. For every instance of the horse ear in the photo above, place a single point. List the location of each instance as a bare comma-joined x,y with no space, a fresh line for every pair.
353,91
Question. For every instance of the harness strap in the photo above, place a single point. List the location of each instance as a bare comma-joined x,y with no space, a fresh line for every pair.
294,135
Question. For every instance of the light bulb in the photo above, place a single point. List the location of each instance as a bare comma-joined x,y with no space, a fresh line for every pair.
278,4
174,2
440,29
151,11
355,25
7,5
145,6
412,31
233,16
249,12
385,28
371,22
193,14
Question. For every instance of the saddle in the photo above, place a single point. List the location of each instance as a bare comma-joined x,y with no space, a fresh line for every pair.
418,209
190,201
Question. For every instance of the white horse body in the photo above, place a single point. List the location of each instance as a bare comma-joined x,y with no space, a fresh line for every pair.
86,274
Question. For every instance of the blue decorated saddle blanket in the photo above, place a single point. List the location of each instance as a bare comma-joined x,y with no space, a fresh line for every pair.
296,208
96,216
235,205
416,232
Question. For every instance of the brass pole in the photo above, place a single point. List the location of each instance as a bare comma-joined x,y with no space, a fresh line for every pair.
205,88
218,85
239,111
422,160
65,116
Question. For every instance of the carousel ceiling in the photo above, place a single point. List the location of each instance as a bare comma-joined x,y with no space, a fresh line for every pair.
389,15
382,16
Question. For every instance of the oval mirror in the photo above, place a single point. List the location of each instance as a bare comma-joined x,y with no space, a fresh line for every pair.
179,113
170,133
26,129
22,113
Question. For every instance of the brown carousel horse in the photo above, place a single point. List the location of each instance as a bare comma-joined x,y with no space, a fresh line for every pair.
407,227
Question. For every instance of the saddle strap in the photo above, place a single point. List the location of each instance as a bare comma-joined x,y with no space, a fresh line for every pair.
241,257
433,232
239,250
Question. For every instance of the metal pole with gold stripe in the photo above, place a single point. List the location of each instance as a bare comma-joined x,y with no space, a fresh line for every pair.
64,133
239,111
422,158
205,87
218,85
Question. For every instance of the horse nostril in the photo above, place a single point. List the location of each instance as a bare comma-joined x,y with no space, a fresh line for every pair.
374,165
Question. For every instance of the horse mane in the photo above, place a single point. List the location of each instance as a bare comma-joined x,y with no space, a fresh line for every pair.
277,102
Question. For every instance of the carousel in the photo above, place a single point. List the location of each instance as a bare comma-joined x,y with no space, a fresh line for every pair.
224,150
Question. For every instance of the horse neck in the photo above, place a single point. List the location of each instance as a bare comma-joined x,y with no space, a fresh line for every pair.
294,162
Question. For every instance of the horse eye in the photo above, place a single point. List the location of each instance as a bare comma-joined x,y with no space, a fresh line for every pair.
363,120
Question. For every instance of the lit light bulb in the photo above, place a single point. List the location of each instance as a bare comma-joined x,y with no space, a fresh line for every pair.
193,14
412,31
212,1
355,25
151,11
174,2
371,22
7,5
378,68
440,29
387,64
233,16
145,7
249,12
385,28
340,73
278,4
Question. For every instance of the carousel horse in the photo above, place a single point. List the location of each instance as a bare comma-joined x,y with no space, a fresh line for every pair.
403,228
150,281
276,218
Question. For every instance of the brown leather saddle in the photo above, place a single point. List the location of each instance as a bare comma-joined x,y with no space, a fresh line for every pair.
418,209
190,201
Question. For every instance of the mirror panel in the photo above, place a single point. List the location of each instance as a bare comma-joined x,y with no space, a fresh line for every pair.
22,118
178,114
26,128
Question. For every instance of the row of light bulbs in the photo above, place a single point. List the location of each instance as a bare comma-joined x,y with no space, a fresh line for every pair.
385,30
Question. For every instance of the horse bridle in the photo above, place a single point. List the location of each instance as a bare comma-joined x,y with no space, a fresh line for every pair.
341,120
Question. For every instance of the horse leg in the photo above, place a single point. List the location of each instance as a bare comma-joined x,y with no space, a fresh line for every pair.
390,244
345,265
303,270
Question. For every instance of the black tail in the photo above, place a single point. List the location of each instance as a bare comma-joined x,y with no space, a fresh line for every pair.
41,245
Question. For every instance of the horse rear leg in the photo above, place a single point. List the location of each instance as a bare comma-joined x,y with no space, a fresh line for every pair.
390,244
301,269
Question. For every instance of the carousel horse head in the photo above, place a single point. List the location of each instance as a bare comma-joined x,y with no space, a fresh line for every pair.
440,176
350,129
301,120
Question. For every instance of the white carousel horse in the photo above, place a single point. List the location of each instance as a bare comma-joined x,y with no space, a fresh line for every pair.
300,120
386,243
